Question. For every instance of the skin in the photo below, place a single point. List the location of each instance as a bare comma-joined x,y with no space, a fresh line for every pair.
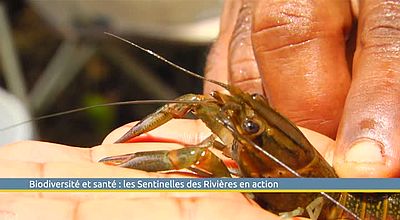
321,71
42,159
295,54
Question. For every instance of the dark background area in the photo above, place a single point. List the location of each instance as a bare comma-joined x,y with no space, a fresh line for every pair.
100,80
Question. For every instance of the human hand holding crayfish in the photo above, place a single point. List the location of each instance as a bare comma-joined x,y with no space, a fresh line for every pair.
300,55
40,159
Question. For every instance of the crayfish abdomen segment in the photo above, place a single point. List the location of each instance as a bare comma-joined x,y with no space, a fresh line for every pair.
374,206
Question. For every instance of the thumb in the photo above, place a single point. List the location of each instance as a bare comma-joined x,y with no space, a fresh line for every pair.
369,134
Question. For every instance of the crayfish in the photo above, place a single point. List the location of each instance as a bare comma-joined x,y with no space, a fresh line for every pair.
257,138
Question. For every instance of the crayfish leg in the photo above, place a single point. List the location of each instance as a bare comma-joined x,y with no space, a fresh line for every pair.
315,207
288,215
313,210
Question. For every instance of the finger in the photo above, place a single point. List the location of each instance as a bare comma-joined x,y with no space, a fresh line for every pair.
369,137
182,209
75,170
299,46
322,143
355,7
242,65
13,207
217,60
41,152
56,160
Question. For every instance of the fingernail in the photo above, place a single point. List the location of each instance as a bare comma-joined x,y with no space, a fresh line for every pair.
365,150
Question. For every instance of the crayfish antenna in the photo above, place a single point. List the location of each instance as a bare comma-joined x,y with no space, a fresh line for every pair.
53,115
223,85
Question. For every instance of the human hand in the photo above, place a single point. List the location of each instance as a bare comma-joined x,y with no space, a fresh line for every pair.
298,53
41,159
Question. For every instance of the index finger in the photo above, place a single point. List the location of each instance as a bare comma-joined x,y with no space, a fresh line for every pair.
300,51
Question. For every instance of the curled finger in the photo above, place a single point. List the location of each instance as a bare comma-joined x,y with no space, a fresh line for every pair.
300,48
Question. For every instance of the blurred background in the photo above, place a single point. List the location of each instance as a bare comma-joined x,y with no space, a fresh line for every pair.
55,57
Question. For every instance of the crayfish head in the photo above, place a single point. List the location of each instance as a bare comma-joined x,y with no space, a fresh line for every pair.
261,131
255,123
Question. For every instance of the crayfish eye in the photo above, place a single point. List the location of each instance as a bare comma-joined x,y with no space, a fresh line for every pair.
254,95
250,126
